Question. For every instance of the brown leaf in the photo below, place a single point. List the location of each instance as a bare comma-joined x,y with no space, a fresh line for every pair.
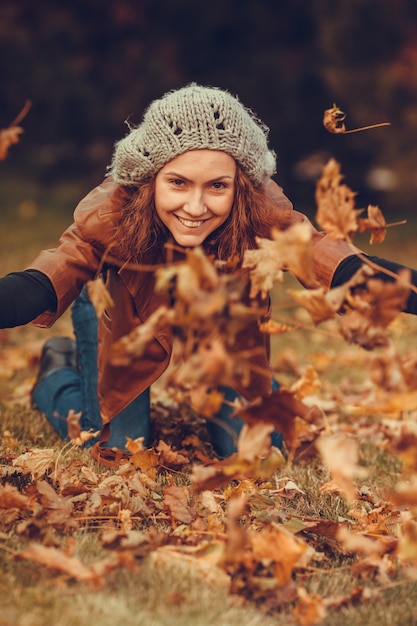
290,249
310,608
8,137
273,328
58,510
99,296
169,457
36,462
340,454
176,500
336,212
309,384
333,121
281,547
321,304
59,561
11,498
281,409
375,224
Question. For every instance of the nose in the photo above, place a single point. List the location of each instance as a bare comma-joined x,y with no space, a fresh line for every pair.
195,205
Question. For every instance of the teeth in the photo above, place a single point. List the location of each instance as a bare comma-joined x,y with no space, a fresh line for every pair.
190,223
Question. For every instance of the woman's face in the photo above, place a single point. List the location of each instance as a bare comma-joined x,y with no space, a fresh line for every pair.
194,194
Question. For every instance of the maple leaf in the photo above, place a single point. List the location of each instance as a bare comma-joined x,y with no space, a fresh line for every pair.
279,546
36,462
146,460
99,296
287,414
290,250
340,454
265,266
375,306
320,303
375,223
307,385
254,459
169,457
75,433
336,212
133,345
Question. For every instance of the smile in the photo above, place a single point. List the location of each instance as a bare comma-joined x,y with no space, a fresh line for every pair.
190,223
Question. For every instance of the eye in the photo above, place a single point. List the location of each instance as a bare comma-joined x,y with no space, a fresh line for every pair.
219,185
177,182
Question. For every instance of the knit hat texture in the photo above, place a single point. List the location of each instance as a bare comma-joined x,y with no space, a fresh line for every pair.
193,118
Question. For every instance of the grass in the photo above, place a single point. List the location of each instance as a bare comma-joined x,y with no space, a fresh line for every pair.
165,590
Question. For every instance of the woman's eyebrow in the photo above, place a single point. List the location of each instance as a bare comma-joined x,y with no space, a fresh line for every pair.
177,175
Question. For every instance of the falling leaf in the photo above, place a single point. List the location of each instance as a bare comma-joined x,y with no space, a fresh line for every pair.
10,136
309,384
333,121
99,296
340,454
320,303
288,415
336,212
375,223
273,328
289,250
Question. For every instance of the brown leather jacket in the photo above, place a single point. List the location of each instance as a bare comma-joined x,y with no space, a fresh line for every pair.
77,259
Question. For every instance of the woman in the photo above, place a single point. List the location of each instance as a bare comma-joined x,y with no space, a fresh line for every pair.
196,172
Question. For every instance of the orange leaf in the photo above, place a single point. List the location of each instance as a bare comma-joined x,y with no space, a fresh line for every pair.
336,212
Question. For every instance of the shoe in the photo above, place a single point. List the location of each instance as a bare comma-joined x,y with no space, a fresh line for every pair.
57,353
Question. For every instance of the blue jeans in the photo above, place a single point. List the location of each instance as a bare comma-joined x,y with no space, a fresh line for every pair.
67,389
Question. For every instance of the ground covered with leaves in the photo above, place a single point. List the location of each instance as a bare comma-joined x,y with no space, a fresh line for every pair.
322,532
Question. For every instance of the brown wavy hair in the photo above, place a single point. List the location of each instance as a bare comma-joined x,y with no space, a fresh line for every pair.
141,235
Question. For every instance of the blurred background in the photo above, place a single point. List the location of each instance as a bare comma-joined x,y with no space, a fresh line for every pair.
88,65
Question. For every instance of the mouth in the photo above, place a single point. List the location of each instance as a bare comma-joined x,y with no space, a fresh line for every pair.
190,223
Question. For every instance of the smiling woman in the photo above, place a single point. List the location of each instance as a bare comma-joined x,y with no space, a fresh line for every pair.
194,194
195,173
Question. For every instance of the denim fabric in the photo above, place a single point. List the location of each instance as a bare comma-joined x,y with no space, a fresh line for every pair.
68,389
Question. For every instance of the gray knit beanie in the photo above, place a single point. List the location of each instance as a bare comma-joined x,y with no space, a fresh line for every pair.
193,118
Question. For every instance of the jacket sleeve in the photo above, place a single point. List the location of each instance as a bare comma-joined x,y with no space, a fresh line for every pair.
328,253
80,250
